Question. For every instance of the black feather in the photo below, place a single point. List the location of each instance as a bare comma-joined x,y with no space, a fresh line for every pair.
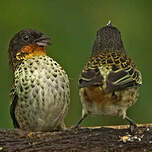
120,80
91,77
12,110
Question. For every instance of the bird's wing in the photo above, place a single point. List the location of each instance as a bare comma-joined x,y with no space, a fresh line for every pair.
14,99
91,76
121,79
119,72
123,74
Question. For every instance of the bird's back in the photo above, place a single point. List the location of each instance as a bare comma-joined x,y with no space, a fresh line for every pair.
111,70
109,83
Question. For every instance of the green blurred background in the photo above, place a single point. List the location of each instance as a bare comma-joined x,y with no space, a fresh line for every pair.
72,26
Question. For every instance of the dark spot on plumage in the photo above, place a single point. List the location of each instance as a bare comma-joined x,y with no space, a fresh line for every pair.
52,79
48,77
25,68
103,62
35,68
23,80
34,96
124,65
116,57
42,87
62,86
31,64
117,61
37,91
26,88
26,92
98,60
32,85
25,84
114,67
25,97
19,69
38,83
109,60
96,69
55,75
134,75
137,74
21,105
16,81
113,54
131,71
80,81
113,93
26,105
31,71
122,59
21,89
60,94
108,56
127,68
42,93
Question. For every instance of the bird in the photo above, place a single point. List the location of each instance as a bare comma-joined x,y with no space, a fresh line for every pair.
40,93
109,82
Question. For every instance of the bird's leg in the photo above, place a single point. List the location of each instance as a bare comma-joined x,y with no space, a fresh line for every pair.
133,125
80,121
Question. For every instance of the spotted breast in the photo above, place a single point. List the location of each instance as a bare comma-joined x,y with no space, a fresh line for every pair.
43,94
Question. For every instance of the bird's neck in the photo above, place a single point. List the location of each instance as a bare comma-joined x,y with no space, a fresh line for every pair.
30,51
27,52
100,47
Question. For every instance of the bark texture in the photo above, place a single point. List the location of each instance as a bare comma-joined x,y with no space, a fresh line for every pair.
97,139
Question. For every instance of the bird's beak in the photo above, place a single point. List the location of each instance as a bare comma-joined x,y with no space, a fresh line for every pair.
43,40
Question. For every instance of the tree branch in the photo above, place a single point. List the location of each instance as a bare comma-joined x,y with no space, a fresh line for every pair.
102,139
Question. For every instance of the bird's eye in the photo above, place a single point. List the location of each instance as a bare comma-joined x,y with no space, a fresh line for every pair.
26,38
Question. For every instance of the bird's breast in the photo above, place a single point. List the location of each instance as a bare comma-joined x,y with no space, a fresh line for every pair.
43,91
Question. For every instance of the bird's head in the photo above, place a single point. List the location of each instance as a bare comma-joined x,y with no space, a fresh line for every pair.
26,44
108,38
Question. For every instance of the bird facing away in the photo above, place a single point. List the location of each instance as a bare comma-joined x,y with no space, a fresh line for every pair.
110,81
40,93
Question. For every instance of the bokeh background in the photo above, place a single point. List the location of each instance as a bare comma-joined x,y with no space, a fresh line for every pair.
72,26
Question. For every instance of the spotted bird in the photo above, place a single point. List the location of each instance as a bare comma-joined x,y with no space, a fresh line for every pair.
40,94
110,81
